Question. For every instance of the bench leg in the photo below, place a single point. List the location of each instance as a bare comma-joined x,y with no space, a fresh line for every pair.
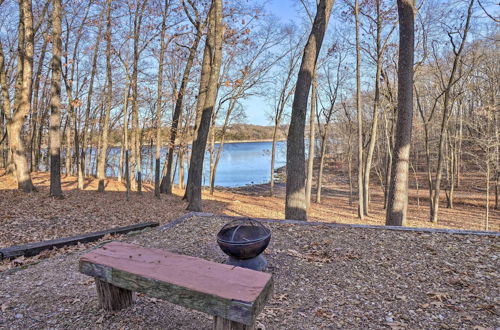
112,298
225,324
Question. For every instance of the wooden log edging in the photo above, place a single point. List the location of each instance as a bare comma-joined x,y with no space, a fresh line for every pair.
32,249
343,225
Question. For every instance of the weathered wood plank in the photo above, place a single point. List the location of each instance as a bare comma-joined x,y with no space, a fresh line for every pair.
232,293
32,249
223,324
112,298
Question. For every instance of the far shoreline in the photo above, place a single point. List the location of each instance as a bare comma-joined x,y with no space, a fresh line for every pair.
216,142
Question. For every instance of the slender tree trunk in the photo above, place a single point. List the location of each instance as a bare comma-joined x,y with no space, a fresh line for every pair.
35,109
230,109
181,162
349,169
124,146
127,174
202,93
82,162
487,218
359,108
373,140
295,204
55,102
214,54
398,189
312,141
159,101
211,149
101,165
136,149
22,97
7,114
446,116
273,158
166,184
388,163
321,165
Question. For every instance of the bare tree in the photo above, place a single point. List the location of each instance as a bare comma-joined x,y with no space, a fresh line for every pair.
285,91
84,137
398,189
361,203
166,184
159,99
101,162
55,102
452,80
22,95
212,57
295,205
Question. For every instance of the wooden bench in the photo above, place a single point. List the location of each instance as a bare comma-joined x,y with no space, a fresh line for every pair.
233,295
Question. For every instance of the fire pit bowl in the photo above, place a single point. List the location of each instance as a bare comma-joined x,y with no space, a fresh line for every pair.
243,240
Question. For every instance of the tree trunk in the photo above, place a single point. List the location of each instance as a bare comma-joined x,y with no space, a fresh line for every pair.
7,151
321,166
273,159
166,184
361,204
136,149
81,163
374,128
124,146
22,97
312,141
398,189
55,102
35,109
101,165
159,101
295,204
212,56
446,116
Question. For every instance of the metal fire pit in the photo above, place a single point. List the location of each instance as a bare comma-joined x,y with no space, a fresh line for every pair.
243,240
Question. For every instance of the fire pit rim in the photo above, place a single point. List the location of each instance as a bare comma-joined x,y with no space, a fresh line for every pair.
263,238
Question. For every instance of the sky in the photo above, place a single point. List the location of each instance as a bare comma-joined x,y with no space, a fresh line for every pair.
257,108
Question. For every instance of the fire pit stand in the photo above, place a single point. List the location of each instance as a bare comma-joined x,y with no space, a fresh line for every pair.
243,240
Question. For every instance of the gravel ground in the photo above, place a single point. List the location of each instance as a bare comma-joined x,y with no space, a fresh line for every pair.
325,278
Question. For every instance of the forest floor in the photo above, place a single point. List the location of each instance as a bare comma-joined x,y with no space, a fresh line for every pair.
36,217
324,278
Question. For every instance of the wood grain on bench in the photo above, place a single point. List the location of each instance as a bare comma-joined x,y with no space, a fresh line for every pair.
230,292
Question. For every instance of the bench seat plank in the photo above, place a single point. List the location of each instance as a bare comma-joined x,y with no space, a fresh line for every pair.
230,292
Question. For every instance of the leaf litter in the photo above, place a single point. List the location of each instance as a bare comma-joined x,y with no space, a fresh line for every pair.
325,278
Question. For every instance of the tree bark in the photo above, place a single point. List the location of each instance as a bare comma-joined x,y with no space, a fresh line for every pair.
213,52
166,183
35,108
136,159
359,107
101,165
22,97
81,163
55,102
312,140
321,166
446,116
159,101
398,189
7,114
295,204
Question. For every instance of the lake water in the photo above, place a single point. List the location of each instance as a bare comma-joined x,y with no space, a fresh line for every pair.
240,164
